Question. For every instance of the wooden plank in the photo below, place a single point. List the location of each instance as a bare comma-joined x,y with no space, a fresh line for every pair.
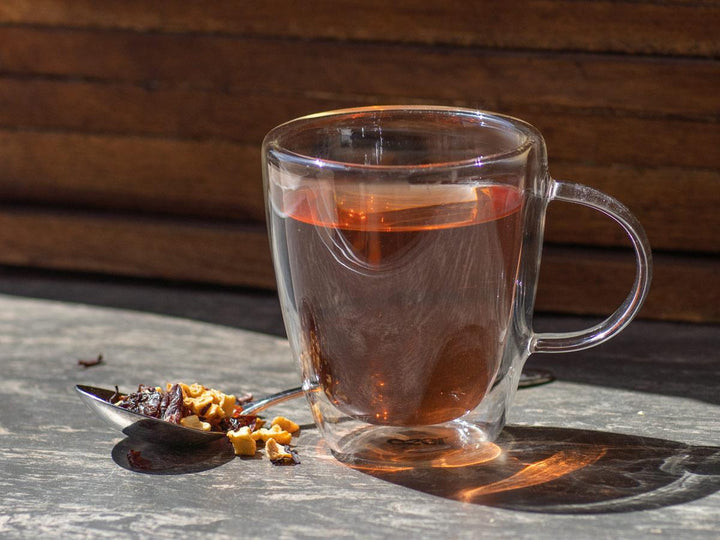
193,178
572,134
648,142
677,207
647,27
680,88
595,282
572,280
132,246
125,108
222,180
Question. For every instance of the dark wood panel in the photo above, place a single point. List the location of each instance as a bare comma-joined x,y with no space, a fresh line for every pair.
571,134
127,108
633,141
222,180
157,110
194,178
177,250
677,207
681,28
491,79
574,281
592,282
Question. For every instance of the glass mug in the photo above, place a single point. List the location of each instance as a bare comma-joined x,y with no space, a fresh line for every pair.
406,242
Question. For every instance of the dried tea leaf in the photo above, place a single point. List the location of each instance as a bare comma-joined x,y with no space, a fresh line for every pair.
91,363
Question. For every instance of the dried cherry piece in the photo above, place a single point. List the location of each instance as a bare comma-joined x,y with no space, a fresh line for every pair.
176,409
236,422
247,397
137,461
145,401
151,405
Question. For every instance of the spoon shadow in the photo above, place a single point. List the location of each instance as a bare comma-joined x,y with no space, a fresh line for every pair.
145,457
570,471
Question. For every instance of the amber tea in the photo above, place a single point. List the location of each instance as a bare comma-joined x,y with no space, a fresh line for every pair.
403,295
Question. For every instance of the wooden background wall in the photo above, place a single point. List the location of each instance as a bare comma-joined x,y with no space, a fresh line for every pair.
130,130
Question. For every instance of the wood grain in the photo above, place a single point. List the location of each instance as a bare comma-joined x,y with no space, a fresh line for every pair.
641,27
177,109
495,79
222,180
675,206
583,281
133,246
194,178
572,280
130,131
593,110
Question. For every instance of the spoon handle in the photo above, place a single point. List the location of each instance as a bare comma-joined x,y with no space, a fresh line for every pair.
531,378
274,399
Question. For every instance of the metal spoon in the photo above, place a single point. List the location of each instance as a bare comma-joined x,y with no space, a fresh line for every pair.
158,431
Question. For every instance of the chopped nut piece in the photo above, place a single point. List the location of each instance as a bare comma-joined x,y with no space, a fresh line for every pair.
277,452
213,412
285,424
227,404
197,404
209,404
192,390
242,441
194,422
275,432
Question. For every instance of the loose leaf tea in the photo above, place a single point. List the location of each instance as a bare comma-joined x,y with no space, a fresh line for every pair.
197,407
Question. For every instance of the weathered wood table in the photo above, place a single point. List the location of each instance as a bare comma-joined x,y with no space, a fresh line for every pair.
624,444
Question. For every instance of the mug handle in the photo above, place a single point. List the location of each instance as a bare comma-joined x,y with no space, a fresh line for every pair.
583,339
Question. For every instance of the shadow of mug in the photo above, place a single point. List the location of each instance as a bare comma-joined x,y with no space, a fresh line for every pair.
570,471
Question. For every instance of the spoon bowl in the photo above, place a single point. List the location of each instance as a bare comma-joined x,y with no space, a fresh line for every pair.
157,431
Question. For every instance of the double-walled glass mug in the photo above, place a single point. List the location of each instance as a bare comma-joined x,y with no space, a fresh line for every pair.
406,242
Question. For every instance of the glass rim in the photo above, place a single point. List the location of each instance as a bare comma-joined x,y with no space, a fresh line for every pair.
483,117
